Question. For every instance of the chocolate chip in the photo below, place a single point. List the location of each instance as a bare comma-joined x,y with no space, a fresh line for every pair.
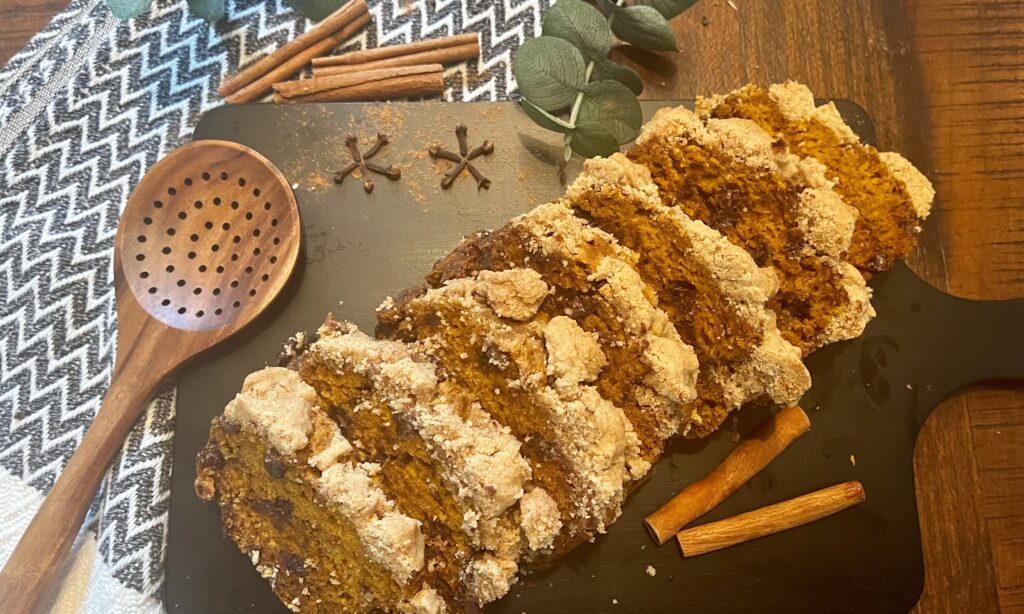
279,510
294,349
210,457
291,563
440,370
494,358
273,464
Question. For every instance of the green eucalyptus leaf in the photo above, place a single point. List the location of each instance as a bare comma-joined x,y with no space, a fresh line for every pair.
549,72
126,9
606,69
667,8
590,139
613,106
581,25
644,27
210,10
315,9
544,119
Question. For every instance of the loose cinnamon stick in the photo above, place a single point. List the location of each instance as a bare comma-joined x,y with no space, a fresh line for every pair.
743,463
381,53
438,56
769,520
302,87
290,67
329,25
407,86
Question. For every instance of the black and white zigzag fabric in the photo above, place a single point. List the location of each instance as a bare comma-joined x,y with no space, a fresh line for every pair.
85,109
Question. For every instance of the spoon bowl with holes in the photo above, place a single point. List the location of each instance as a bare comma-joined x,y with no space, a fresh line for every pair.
207,240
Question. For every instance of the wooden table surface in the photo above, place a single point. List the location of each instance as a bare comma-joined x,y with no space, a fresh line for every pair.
944,82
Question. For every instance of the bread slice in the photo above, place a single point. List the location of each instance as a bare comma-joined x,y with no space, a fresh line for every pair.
777,206
713,292
531,374
891,196
650,373
363,482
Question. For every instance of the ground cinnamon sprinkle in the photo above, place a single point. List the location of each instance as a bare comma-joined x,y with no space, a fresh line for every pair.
388,118
315,181
413,185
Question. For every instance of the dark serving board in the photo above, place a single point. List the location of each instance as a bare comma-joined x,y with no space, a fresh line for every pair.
869,399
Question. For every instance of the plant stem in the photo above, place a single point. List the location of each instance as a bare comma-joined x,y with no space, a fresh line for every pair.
611,18
567,148
567,151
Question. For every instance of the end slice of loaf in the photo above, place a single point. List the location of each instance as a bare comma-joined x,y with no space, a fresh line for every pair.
891,196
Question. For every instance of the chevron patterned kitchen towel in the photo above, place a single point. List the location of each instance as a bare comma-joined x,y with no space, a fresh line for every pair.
85,109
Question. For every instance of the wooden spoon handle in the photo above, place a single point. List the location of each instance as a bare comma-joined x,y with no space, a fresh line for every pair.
30,575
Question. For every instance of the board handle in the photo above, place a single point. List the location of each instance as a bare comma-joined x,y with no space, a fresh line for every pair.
37,563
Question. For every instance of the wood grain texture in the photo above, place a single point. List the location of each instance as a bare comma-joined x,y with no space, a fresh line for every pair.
21,19
207,240
943,81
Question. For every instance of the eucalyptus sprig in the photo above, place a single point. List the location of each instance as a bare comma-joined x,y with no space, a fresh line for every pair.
213,10
570,86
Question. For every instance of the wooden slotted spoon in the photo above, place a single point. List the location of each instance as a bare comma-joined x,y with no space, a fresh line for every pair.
208,239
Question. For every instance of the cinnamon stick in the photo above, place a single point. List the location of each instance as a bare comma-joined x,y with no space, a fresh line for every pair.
302,87
769,520
329,25
389,88
446,55
263,85
381,53
743,463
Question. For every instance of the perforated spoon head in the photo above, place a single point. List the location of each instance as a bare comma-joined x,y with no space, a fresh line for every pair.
209,237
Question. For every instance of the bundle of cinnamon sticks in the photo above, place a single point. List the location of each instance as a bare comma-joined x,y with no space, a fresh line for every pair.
257,80
397,71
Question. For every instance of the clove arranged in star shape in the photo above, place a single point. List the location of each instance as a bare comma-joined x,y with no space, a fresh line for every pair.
463,159
362,162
